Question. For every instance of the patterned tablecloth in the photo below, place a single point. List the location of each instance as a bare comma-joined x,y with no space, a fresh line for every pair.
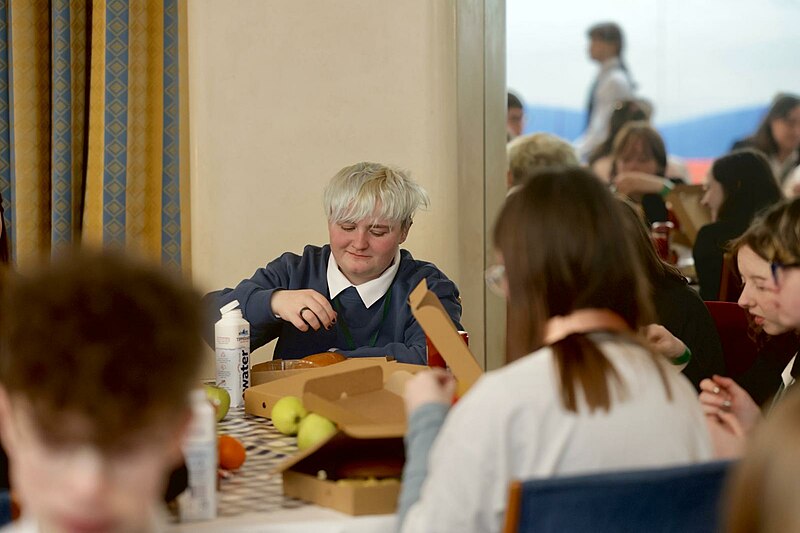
255,487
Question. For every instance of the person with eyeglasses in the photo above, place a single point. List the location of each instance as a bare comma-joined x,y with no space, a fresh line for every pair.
582,392
769,262
351,295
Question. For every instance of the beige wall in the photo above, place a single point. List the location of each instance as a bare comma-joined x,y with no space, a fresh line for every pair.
283,94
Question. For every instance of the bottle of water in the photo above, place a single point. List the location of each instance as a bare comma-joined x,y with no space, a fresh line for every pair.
199,501
232,347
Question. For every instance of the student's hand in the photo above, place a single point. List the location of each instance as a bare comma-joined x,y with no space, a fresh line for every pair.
303,308
639,183
727,436
723,395
430,386
663,342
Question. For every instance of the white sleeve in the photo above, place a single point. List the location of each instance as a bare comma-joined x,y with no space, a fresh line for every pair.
613,88
467,483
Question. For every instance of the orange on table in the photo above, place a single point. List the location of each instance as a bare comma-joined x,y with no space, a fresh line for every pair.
231,452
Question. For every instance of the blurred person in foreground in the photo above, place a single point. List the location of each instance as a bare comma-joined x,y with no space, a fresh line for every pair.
581,392
98,354
763,494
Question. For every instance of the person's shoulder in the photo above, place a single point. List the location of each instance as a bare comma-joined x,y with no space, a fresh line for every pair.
716,232
311,252
418,269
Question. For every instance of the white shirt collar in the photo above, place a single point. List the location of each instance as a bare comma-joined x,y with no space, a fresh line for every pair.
371,291
786,375
610,63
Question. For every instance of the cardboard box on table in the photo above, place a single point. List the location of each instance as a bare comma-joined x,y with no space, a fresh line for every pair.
275,384
370,416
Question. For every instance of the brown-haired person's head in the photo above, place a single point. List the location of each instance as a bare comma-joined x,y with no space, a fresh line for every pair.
97,356
560,240
638,148
763,495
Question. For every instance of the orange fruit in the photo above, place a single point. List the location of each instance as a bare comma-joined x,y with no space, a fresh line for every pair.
231,452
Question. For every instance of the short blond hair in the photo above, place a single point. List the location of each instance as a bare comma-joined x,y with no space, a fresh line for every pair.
356,190
529,154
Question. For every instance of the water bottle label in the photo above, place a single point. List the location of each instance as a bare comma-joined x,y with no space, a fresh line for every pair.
229,375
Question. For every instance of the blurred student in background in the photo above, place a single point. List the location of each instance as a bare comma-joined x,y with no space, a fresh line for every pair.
778,137
738,186
534,152
515,117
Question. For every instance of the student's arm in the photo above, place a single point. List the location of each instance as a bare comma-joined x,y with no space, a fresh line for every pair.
254,296
465,486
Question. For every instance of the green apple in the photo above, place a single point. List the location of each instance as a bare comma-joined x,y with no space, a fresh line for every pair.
220,399
313,430
287,413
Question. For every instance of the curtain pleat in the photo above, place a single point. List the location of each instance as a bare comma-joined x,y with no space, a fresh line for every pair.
99,152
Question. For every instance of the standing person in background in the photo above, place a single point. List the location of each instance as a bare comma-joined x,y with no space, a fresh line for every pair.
515,117
612,84
778,136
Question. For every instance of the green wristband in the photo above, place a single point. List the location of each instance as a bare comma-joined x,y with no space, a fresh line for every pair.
666,190
684,358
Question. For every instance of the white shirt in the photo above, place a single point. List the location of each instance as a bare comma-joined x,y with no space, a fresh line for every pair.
786,375
512,425
371,291
613,85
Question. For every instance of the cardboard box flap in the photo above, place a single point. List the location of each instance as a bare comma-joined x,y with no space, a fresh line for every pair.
429,312
357,402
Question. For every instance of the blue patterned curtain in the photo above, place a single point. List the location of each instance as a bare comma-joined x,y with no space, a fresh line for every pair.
93,127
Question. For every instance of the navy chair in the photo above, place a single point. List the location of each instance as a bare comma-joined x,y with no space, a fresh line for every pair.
5,507
684,499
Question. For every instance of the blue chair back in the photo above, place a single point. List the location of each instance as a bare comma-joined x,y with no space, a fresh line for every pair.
684,499
5,507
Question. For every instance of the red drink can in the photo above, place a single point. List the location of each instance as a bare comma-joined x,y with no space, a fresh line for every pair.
434,357
660,233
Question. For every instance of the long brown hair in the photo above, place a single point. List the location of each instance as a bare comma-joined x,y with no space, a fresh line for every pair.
563,249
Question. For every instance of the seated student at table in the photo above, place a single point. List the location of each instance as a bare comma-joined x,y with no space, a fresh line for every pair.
678,308
351,295
639,167
583,393
533,152
738,186
99,354
775,277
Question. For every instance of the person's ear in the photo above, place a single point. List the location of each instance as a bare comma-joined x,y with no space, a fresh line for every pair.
404,232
